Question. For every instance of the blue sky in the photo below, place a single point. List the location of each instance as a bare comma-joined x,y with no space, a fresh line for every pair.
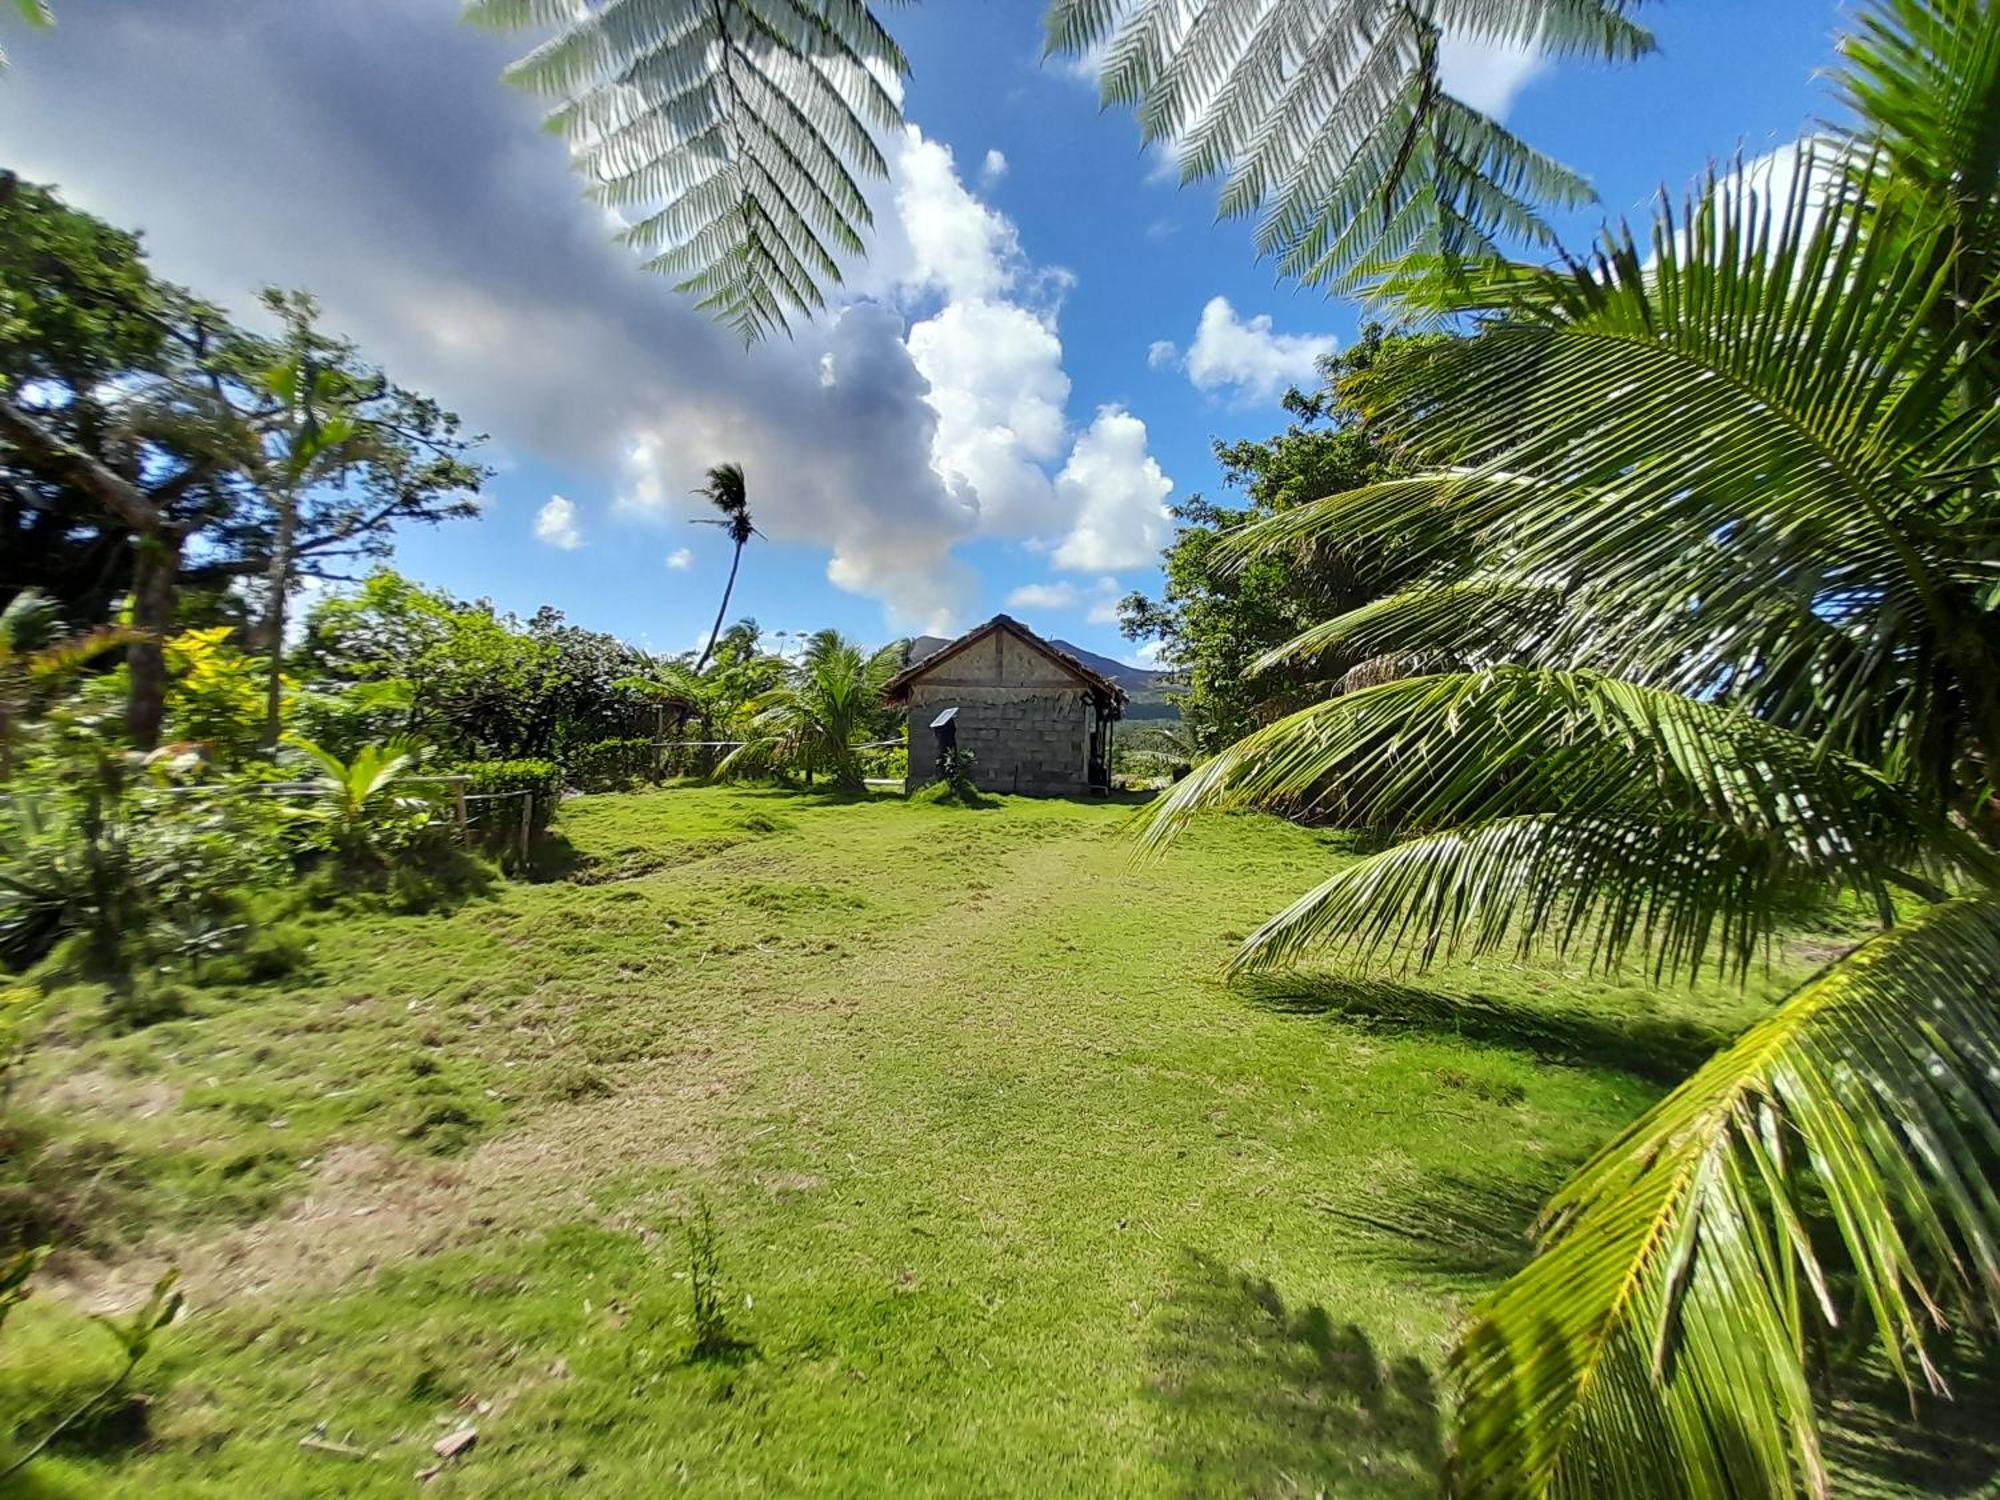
1000,411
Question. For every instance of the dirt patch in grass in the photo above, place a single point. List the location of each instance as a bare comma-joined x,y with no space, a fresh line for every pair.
372,1205
100,1092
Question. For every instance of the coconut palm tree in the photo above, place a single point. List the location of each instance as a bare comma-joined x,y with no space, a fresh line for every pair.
724,489
814,723
1709,628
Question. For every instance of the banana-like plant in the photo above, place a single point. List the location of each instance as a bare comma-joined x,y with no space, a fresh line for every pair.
359,807
1709,626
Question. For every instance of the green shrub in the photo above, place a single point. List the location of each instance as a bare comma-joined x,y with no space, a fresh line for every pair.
497,822
123,868
887,764
271,951
611,765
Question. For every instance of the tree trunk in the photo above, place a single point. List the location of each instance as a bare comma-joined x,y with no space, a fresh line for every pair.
715,632
274,619
155,576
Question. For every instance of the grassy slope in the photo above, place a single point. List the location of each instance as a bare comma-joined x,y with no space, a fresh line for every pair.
1012,1196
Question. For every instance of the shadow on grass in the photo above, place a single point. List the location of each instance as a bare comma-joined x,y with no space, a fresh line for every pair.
1876,1448
553,857
1660,1051
1260,1399
1458,1233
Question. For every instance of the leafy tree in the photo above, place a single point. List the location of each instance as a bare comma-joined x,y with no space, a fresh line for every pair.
113,451
476,683
1710,629
1220,614
725,491
147,444
814,722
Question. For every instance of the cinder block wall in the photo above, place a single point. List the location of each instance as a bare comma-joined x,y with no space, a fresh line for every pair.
1032,740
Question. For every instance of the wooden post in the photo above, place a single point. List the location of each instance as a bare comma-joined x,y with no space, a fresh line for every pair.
458,809
527,822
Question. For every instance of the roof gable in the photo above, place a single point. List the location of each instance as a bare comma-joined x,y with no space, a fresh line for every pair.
1103,687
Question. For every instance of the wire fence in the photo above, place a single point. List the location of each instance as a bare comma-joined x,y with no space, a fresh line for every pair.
502,821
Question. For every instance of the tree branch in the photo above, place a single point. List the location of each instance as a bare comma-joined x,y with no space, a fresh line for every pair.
50,456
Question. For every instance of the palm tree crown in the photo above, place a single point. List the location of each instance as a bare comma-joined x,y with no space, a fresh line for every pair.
726,491
815,721
1706,627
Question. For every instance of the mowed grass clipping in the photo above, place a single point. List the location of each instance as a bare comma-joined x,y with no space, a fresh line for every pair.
1010,1194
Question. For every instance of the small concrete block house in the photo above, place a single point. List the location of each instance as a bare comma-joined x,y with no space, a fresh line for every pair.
1035,719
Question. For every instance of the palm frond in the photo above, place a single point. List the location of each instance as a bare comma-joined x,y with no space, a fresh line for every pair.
1457,622
1655,1346
744,130
1573,808
1330,120
1922,78
37,13
1729,423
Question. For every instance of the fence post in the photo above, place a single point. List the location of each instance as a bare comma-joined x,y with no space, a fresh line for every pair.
458,809
527,822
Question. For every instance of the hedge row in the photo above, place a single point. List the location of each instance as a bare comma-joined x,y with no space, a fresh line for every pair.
543,778
611,765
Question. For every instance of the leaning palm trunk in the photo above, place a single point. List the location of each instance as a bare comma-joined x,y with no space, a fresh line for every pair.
721,611
1707,632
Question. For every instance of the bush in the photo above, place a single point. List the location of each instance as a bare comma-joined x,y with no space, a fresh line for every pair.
611,765
273,950
886,765
108,861
495,823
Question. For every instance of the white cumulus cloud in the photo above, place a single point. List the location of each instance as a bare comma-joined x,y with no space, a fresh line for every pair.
1064,596
1248,358
680,559
1488,75
1099,601
929,412
555,524
1117,493
993,168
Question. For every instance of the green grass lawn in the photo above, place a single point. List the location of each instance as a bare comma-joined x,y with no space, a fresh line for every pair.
1010,1194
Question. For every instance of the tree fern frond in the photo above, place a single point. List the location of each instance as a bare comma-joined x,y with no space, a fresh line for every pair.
1330,116
1654,1345
747,128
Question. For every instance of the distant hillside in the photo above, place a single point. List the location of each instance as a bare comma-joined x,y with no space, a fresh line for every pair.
1135,680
